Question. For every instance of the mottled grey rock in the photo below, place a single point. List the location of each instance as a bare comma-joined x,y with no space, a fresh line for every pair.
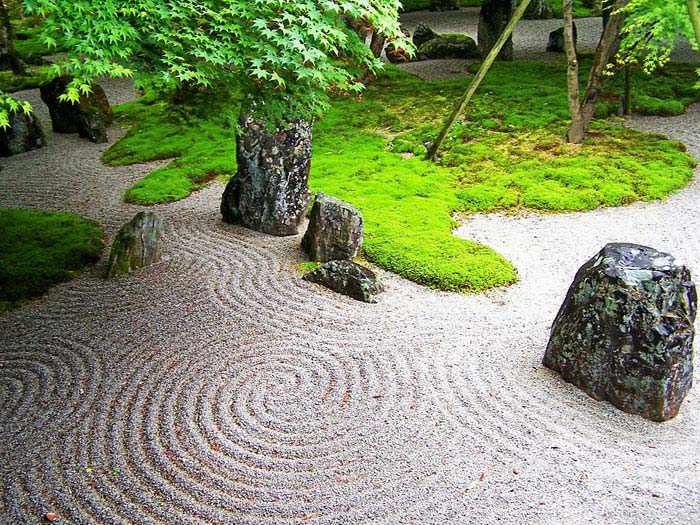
444,5
138,244
24,134
422,34
493,19
335,230
537,10
556,40
347,278
89,116
270,191
625,331
448,46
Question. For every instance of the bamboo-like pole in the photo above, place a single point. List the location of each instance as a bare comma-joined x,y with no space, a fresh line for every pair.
485,66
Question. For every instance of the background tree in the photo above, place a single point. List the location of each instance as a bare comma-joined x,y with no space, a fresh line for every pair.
8,57
284,56
582,110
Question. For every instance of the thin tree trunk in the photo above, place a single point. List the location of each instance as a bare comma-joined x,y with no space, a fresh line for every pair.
376,44
485,66
576,131
607,47
8,57
694,19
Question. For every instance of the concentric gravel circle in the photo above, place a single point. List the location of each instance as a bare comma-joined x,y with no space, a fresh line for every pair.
270,432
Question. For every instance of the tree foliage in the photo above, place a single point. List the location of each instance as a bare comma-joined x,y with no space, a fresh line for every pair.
652,29
288,55
10,105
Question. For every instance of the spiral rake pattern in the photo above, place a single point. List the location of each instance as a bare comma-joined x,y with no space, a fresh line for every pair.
217,387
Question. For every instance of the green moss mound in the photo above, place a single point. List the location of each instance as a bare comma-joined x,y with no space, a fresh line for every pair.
39,249
507,155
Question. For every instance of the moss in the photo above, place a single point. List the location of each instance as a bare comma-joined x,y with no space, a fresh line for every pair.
507,155
39,249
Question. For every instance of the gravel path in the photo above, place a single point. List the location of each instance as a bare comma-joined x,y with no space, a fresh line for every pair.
217,387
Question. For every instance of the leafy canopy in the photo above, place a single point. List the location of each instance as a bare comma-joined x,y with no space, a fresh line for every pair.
289,55
652,28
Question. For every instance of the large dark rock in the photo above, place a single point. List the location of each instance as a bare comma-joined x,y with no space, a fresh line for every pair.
335,230
347,278
449,46
270,191
493,18
89,117
422,34
625,331
24,134
444,5
556,40
537,10
138,244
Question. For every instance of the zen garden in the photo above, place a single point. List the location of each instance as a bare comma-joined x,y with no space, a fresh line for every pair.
349,261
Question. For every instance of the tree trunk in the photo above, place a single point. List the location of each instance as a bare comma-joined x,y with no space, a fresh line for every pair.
270,191
576,131
493,18
694,19
607,47
376,44
8,57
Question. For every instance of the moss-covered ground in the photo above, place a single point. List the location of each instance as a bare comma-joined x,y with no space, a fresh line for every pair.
507,155
39,249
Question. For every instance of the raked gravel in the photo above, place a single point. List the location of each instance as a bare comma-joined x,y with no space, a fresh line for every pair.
217,387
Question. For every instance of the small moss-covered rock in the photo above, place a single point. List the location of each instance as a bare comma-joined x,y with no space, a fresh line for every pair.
347,278
625,331
449,46
138,244
24,134
423,34
335,230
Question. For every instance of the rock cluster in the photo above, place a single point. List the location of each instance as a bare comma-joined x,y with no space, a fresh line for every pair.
138,244
625,331
89,116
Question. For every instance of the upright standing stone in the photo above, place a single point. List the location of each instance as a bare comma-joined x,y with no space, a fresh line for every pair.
625,331
555,44
270,191
24,134
89,116
537,10
138,244
493,19
423,34
335,230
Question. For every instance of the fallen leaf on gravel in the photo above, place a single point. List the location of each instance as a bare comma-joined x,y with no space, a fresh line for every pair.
483,475
307,517
88,470
346,397
516,471
50,516
216,448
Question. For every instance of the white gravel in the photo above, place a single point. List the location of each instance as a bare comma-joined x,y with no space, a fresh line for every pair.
217,387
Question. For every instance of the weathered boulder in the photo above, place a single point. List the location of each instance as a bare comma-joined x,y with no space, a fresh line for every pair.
493,18
270,192
448,46
422,34
537,10
24,134
347,278
89,116
556,40
335,230
444,5
138,244
625,331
